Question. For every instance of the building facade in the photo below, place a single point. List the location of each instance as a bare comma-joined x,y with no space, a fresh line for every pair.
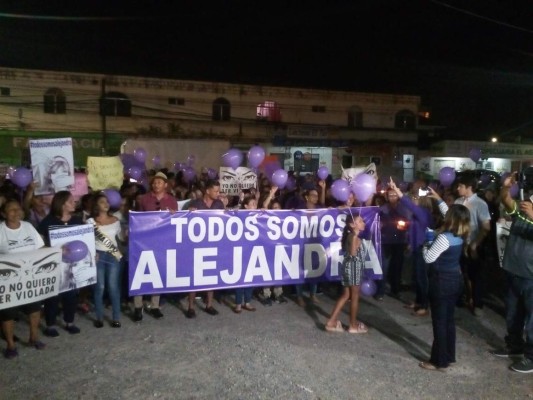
100,112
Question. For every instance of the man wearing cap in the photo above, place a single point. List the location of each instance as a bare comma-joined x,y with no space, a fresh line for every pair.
210,201
158,199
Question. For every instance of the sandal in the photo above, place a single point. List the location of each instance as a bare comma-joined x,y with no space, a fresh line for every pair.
421,312
337,328
237,310
429,366
361,328
248,307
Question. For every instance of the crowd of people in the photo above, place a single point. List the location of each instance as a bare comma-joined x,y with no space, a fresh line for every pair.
446,234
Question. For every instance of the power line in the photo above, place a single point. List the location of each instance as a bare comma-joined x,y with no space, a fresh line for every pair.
473,14
69,18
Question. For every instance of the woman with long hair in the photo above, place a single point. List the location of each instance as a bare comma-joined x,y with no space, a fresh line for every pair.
445,282
352,273
61,213
108,267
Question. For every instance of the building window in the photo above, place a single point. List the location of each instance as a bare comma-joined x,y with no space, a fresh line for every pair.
55,101
5,91
405,119
355,117
268,111
115,104
318,109
177,101
221,110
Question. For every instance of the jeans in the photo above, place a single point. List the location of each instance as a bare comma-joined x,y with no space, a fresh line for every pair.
392,265
519,314
444,290
243,292
51,307
108,276
473,269
420,272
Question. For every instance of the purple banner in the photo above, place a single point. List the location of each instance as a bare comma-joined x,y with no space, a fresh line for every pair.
214,249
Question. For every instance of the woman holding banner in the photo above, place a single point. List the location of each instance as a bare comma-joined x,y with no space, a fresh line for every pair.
61,213
108,267
245,294
17,236
312,200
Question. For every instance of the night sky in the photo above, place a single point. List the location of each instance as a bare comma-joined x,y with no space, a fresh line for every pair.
471,61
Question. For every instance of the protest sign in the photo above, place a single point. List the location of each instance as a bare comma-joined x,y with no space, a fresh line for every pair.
212,249
52,164
503,228
105,172
75,274
232,181
28,276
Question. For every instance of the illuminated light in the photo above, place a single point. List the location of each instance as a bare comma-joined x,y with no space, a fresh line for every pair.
401,225
494,140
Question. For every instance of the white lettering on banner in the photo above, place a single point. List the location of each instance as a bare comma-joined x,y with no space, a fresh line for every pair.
274,232
239,229
147,259
235,229
320,251
336,258
172,272
282,259
257,265
201,265
252,232
228,278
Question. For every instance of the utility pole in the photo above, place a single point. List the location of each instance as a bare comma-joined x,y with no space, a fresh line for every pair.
103,110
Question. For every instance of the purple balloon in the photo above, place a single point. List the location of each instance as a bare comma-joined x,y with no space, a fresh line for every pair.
474,154
188,174
256,155
363,186
211,173
232,158
279,178
74,251
156,160
113,197
340,190
190,160
446,176
403,186
21,177
322,172
270,167
140,154
368,287
513,191
135,172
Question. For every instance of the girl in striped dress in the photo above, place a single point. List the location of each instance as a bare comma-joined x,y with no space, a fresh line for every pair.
352,273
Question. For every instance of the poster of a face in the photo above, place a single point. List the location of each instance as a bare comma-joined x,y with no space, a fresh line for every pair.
29,276
52,164
233,181
75,274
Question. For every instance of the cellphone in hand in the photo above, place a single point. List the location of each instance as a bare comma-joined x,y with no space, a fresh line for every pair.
423,191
